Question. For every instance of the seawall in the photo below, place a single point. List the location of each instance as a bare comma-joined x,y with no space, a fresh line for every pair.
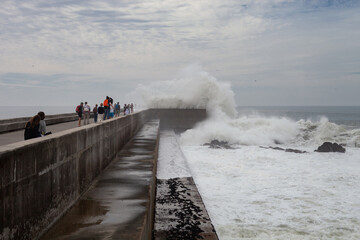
13,124
41,178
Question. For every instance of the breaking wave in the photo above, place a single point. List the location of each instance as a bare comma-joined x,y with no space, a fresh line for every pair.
196,88
260,130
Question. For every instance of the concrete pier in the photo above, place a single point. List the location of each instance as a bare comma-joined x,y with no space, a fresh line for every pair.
119,205
42,179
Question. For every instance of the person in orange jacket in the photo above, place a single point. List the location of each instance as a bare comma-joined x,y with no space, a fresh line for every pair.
106,108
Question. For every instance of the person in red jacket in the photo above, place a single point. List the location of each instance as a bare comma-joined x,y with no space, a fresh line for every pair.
79,111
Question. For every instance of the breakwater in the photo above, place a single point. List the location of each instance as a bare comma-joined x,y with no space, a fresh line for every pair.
8,125
120,202
42,178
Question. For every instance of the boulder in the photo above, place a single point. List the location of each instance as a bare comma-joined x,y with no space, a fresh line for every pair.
330,147
218,144
286,150
294,150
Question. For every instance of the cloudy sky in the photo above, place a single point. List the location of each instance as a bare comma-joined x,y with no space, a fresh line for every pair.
273,52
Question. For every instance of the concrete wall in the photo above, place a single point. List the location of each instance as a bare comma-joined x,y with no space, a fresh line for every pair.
13,124
41,178
178,119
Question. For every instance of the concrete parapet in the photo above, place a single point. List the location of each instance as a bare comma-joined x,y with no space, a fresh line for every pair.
41,178
178,119
8,125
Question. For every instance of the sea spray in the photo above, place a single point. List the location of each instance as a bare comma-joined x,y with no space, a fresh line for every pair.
196,88
262,193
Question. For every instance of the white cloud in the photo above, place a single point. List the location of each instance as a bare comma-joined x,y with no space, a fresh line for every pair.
117,44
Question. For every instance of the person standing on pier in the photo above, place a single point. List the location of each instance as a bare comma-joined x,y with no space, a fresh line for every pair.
124,109
95,111
79,111
127,111
106,107
86,112
101,112
111,111
117,109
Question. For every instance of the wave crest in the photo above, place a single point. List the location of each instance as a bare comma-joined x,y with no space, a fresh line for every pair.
196,88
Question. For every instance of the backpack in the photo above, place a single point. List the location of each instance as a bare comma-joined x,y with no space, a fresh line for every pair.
78,108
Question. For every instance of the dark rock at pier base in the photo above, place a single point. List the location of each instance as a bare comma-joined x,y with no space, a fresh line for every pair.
330,147
180,212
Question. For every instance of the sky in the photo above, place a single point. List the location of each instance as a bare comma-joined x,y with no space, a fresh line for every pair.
273,52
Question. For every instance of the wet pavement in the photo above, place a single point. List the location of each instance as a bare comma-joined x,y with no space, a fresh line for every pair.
120,204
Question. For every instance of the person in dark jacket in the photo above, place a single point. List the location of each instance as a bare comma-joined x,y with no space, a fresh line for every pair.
95,111
32,128
101,112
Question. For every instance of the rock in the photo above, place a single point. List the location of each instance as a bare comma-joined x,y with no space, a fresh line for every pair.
330,147
294,150
286,150
218,144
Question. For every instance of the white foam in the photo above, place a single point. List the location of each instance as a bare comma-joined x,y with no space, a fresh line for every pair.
254,193
244,130
194,88
171,161
259,130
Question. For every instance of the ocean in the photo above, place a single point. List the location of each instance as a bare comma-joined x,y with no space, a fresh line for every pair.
252,189
7,112
253,192
349,116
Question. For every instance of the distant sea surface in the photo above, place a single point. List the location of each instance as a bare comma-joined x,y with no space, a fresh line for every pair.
254,192
341,115
29,111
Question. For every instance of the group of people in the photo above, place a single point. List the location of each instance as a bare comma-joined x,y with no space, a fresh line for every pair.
106,110
36,127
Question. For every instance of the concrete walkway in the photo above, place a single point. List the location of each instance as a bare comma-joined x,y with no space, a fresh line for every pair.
120,204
